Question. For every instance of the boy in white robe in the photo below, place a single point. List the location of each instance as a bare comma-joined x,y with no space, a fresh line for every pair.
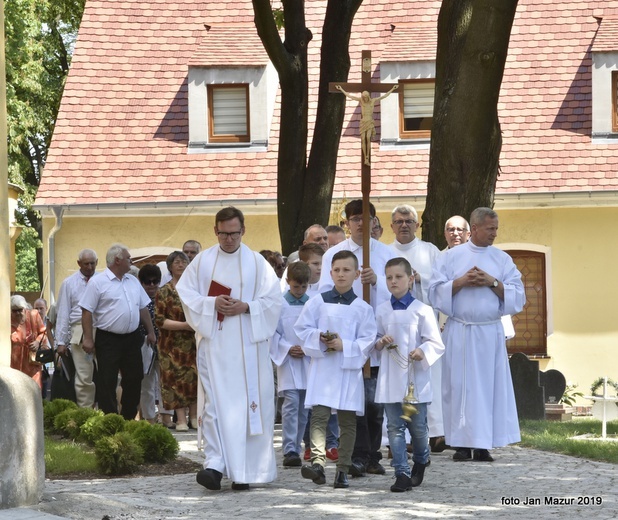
409,331
292,364
337,330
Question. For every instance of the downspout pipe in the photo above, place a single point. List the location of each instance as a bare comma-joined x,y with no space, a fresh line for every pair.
51,251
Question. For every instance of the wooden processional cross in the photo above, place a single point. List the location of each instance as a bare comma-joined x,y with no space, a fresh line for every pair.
367,130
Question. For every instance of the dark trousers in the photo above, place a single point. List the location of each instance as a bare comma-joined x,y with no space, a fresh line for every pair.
119,353
369,426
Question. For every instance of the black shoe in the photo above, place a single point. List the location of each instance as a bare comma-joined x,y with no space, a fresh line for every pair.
483,456
240,487
341,480
209,478
292,460
314,472
437,444
402,483
375,468
357,469
418,472
462,454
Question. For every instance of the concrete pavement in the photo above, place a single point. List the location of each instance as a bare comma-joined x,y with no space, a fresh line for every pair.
521,483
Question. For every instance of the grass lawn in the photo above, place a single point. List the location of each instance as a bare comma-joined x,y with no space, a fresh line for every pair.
555,436
64,457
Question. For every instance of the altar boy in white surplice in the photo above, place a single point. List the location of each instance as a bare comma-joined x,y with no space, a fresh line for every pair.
337,331
231,298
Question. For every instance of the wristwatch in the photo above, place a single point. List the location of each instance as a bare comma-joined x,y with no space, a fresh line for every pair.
495,283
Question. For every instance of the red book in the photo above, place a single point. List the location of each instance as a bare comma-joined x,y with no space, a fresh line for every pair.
217,289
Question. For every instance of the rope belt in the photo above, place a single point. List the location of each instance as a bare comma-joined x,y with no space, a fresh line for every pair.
462,418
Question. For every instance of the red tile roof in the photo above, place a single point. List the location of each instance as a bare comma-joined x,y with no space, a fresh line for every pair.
122,131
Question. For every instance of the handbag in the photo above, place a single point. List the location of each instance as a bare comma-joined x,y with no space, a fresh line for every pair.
42,355
63,378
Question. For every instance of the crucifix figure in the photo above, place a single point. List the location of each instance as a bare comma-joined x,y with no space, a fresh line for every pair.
367,131
367,126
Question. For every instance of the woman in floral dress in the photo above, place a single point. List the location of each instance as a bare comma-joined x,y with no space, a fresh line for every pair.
177,348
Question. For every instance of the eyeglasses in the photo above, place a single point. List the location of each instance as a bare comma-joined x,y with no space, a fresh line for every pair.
18,310
355,220
151,282
233,235
453,230
401,222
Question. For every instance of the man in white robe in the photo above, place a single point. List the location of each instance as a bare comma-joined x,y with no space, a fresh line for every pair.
475,284
421,255
231,298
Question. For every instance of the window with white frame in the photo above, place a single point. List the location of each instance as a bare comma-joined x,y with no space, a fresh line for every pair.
228,113
416,99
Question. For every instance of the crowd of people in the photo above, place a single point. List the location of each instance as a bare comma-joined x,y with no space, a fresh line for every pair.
197,337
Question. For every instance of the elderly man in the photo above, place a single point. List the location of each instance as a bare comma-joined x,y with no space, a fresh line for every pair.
191,248
456,231
475,284
231,298
420,254
114,303
315,233
69,333
367,455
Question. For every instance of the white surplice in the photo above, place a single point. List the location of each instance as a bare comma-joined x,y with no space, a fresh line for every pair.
233,361
291,371
478,398
422,256
414,327
335,379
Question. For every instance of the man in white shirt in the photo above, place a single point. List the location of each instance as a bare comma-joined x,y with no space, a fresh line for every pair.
115,303
69,326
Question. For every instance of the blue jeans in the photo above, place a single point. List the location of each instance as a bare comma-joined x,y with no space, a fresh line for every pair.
293,420
419,432
332,432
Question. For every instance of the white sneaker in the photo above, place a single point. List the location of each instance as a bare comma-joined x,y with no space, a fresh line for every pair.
182,427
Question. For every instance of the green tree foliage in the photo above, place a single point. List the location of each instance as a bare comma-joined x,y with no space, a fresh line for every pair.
26,273
39,39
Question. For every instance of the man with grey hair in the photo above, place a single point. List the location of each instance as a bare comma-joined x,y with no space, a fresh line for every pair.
420,254
69,334
475,284
114,303
456,231
314,233
191,248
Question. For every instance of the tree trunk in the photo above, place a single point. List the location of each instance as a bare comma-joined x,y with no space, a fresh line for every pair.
473,39
304,191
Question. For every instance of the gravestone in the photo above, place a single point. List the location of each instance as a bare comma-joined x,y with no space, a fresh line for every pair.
554,383
529,394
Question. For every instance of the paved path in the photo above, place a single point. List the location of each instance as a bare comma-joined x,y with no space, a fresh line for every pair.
474,490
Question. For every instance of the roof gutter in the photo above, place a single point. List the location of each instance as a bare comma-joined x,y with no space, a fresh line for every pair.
51,248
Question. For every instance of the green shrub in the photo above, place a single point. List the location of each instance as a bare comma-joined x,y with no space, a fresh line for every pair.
100,426
118,454
53,408
69,422
156,441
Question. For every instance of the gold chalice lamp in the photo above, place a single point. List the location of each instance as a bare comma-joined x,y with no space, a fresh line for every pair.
408,404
